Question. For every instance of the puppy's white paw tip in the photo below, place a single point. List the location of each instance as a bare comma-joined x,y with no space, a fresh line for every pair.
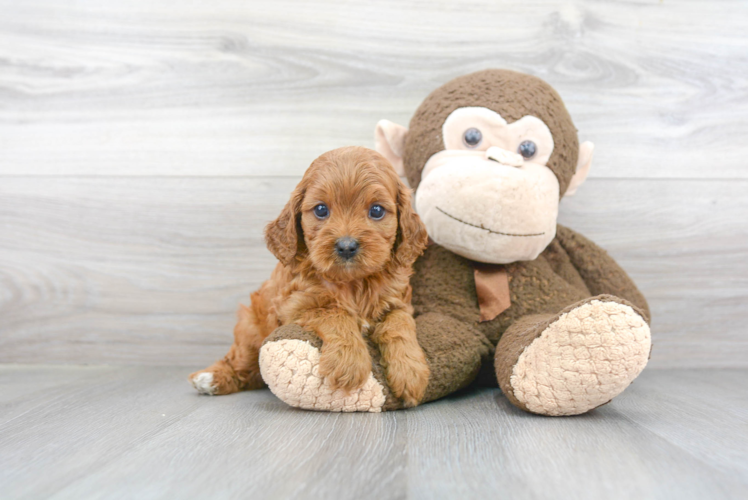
203,382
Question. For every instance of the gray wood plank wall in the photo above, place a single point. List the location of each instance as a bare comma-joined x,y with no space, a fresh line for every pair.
144,144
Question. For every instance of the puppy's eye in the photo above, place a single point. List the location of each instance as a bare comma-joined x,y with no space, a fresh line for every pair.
472,137
321,211
527,149
376,212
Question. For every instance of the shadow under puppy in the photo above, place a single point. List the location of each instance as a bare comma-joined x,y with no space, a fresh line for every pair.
346,242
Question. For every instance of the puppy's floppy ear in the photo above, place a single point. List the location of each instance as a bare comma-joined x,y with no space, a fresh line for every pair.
412,237
283,236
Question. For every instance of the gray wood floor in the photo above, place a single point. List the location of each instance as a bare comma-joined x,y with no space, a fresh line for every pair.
141,432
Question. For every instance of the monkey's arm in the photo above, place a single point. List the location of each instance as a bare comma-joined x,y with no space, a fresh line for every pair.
600,272
455,352
446,312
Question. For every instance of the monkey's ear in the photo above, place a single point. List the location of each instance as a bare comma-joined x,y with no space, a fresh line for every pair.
583,167
284,236
390,142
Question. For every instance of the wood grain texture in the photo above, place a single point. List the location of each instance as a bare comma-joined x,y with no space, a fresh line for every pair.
476,443
141,432
151,270
251,88
144,145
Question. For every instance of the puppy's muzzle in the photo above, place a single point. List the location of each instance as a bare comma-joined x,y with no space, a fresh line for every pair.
346,248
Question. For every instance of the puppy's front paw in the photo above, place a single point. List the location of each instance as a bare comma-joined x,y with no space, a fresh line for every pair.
345,366
408,377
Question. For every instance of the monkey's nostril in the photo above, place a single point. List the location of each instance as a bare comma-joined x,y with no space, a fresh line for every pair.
346,247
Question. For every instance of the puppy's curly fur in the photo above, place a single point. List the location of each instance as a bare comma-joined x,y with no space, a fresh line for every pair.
341,299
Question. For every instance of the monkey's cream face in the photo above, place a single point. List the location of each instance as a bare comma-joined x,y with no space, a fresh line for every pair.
489,196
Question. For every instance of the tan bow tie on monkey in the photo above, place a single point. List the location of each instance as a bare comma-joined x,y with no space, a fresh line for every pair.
490,155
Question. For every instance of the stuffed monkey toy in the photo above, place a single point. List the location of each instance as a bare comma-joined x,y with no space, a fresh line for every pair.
503,294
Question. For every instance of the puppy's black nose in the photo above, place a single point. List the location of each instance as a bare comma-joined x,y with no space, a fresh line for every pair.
347,248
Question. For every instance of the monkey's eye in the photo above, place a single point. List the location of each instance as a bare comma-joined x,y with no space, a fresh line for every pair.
376,212
472,137
321,211
527,149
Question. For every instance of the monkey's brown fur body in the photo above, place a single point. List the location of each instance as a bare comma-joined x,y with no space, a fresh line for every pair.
568,273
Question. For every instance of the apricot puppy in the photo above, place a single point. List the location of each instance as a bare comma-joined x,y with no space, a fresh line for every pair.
346,242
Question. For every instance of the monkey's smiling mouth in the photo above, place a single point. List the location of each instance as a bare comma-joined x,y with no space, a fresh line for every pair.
491,231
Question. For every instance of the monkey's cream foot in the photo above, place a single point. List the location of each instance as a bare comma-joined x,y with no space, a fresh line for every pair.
577,360
290,366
